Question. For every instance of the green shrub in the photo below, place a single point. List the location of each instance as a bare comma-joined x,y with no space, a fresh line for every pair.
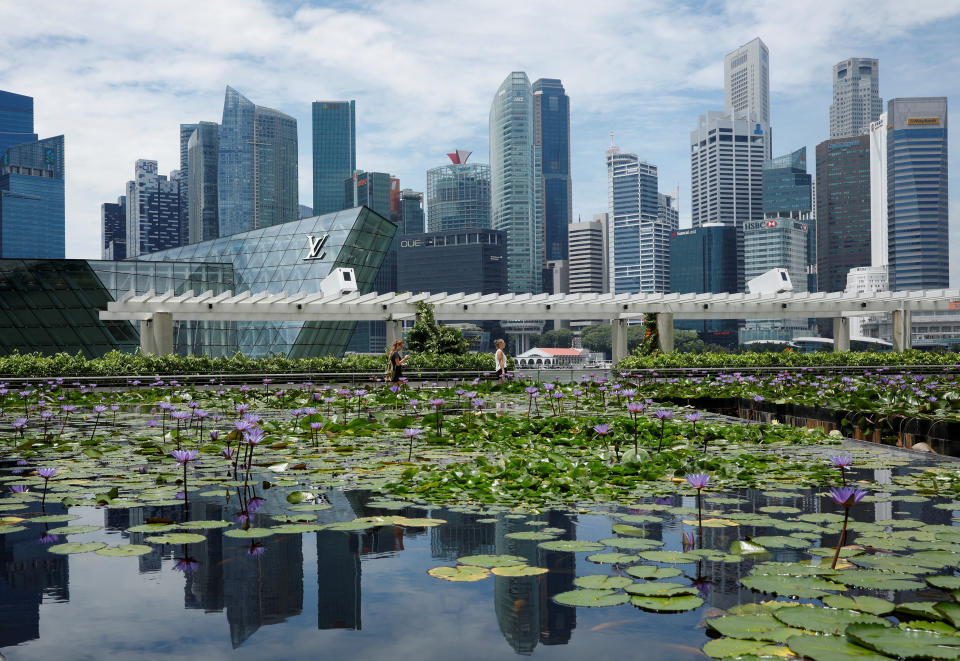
788,359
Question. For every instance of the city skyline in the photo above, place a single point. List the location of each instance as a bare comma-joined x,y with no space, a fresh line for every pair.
417,103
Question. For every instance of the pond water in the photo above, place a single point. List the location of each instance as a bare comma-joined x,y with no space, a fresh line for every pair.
366,594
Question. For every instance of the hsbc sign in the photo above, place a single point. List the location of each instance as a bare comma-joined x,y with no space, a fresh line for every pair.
771,223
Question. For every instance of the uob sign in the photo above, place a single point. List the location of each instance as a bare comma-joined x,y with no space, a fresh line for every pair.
316,246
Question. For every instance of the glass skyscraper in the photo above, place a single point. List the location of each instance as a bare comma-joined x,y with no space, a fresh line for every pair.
917,202
703,260
334,152
186,131
203,154
16,120
113,221
787,193
153,210
515,195
32,216
551,133
458,194
411,212
257,177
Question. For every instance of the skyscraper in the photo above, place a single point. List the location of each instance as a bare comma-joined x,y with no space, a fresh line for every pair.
879,249
257,177
186,130
410,220
918,234
113,220
334,152
746,84
458,194
514,197
153,210
703,260
856,97
639,248
16,120
787,193
203,156
843,209
551,133
32,217
588,256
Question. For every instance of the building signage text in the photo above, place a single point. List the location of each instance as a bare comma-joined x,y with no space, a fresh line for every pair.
923,121
316,246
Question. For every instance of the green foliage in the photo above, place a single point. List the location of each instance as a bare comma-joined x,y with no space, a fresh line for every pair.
788,359
427,336
561,338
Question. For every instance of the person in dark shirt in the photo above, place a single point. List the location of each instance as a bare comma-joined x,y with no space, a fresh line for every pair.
397,361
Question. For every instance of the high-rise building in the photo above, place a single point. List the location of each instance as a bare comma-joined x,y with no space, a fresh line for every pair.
410,219
843,209
856,97
334,152
458,194
203,155
113,220
551,133
787,193
186,130
515,198
16,120
257,175
369,189
32,216
879,251
746,84
469,261
153,210
640,238
726,171
703,260
918,233
588,256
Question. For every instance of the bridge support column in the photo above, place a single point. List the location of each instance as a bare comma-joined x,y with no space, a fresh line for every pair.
841,334
147,346
665,331
618,338
394,332
902,330
163,333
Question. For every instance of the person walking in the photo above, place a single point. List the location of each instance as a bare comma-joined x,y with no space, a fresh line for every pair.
396,362
500,358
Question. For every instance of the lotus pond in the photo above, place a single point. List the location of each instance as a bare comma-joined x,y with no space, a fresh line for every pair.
461,519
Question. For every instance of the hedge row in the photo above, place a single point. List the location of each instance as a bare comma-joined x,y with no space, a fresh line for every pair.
117,363
788,359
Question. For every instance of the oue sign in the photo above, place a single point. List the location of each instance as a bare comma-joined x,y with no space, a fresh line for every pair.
315,247
410,243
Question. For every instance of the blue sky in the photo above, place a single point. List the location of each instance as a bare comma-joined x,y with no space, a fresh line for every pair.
118,81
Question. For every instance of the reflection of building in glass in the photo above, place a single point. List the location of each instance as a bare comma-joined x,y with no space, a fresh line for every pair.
461,535
203,588
338,580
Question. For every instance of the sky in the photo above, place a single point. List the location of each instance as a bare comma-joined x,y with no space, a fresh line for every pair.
118,79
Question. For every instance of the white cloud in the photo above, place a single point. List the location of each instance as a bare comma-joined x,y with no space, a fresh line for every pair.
118,83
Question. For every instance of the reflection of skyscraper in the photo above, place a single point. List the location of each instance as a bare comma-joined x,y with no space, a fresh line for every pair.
203,588
461,535
557,622
338,580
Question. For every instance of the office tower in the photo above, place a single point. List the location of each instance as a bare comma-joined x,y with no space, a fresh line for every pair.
32,217
856,97
918,235
16,120
370,189
726,171
746,84
186,130
588,256
640,239
703,260
458,194
113,220
410,220
257,175
551,133
334,152
203,156
470,261
515,206
843,209
787,190
153,210
879,251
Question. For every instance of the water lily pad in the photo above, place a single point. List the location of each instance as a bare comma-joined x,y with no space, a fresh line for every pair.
780,542
462,574
54,518
652,572
906,644
204,525
824,620
632,543
828,552
667,604
723,648
628,530
309,507
779,509
591,598
804,587
640,518
571,545
10,529
152,527
949,610
125,551
602,582
751,627
831,648
75,547
612,558
712,523
529,535
660,589
361,523
518,570
873,605
296,528
177,538
73,530
670,557
408,522
924,609
878,580
251,533
489,561
743,547
792,569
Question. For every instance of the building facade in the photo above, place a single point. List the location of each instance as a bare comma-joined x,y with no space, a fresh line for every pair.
551,133
746,84
334,152
203,156
113,221
787,193
588,256
16,120
411,212
186,131
704,260
32,205
856,97
917,197
879,250
843,209
515,198
153,210
257,171
458,194
468,260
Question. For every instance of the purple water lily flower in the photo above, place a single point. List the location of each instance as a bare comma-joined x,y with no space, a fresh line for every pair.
46,473
663,414
254,435
841,460
412,432
692,417
186,565
847,496
436,402
635,407
183,456
256,549
227,453
477,403
603,429
48,538
20,488
256,503
698,480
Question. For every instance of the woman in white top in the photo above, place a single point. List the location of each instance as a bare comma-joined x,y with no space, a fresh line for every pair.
500,358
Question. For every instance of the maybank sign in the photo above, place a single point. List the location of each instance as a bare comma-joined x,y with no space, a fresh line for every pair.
923,121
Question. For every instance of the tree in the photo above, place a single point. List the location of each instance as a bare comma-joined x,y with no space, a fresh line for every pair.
561,338
687,341
427,336
596,338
